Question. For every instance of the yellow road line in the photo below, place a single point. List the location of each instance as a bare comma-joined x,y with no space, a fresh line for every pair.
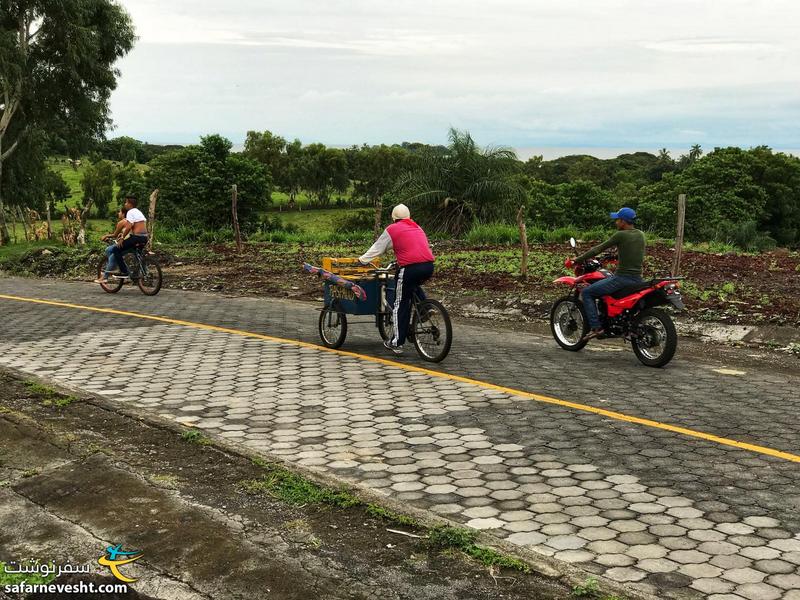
484,384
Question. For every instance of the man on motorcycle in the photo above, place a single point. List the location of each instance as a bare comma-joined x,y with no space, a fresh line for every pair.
415,260
630,244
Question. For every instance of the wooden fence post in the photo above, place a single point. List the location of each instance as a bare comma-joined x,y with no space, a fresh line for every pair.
151,219
13,223
523,239
49,224
676,261
376,230
22,218
235,215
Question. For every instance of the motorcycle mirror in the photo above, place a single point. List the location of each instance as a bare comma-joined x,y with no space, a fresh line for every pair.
572,242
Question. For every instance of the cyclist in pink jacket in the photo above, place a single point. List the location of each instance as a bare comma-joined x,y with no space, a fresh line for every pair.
415,267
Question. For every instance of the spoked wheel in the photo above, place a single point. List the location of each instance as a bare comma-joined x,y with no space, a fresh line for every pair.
568,324
386,326
113,285
432,331
656,339
332,327
149,279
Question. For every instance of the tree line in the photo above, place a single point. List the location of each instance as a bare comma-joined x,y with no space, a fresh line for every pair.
750,198
57,72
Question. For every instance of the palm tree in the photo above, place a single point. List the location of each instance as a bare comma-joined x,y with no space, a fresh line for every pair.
467,184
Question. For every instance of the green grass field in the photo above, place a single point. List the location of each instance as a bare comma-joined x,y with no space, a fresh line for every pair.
314,221
72,177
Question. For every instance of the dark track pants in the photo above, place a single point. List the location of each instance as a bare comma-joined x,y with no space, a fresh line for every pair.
408,281
127,245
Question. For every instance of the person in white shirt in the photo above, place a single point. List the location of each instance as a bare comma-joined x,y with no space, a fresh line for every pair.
136,225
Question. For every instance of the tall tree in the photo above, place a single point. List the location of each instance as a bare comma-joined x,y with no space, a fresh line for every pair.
268,149
375,170
324,171
57,71
465,185
97,184
131,182
195,182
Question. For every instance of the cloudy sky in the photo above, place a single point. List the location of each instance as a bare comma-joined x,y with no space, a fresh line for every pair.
532,73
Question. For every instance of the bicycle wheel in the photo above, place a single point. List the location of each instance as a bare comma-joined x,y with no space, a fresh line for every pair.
149,277
113,285
386,326
332,327
432,330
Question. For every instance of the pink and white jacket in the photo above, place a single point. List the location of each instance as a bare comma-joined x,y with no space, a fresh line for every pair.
408,240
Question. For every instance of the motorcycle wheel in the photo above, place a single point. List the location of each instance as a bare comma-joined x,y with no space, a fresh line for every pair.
656,338
568,323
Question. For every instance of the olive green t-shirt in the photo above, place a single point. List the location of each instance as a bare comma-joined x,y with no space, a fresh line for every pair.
630,244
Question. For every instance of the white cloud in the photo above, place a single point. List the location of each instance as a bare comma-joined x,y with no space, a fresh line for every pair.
610,72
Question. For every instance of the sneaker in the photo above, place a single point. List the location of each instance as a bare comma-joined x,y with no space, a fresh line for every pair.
389,346
593,334
101,280
121,276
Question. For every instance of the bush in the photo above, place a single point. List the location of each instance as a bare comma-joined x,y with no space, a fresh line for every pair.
744,236
276,224
559,235
359,221
493,233
196,181
185,234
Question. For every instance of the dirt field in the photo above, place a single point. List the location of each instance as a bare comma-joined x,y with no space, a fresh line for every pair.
730,288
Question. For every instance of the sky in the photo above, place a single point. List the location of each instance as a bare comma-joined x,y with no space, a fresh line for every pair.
532,74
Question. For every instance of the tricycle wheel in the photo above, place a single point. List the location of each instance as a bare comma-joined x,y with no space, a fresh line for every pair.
332,327
432,331
385,326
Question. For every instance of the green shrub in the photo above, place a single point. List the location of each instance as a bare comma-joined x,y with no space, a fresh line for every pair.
744,236
559,235
359,221
276,224
493,233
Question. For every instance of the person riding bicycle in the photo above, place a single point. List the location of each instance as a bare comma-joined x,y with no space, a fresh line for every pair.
136,226
110,263
630,243
415,261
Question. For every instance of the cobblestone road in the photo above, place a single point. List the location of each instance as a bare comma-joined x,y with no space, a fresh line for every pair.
673,515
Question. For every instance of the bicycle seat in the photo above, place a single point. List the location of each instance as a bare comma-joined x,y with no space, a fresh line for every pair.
631,289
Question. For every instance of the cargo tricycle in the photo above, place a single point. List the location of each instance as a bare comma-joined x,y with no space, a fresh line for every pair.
430,329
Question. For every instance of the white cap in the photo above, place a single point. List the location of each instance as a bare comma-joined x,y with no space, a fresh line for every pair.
401,212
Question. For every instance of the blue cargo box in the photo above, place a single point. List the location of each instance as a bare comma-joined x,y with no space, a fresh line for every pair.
347,301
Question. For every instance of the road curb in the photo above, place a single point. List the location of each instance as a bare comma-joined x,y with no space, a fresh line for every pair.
541,564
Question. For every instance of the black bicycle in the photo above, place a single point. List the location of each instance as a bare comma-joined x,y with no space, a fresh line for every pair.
143,268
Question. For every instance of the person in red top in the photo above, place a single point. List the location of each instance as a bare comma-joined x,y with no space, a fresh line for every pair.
415,262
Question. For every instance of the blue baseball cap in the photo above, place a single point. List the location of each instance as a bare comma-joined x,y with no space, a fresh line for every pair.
625,213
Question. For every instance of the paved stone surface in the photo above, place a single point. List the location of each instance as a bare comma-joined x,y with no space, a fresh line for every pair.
676,515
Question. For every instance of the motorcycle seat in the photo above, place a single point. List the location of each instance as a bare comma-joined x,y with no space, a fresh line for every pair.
631,289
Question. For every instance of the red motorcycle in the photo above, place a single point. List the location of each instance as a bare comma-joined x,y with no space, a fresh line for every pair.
630,313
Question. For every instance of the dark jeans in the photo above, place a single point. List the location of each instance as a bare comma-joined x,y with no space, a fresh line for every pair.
604,287
408,282
127,245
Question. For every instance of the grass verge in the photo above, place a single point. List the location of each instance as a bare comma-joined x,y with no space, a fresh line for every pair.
278,482
48,395
193,436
